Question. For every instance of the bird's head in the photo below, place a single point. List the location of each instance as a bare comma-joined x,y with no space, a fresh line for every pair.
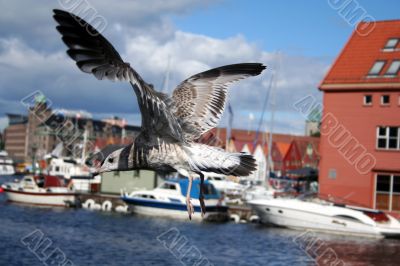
111,162
107,160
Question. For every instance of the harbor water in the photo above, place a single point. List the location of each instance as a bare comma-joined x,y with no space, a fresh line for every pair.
48,236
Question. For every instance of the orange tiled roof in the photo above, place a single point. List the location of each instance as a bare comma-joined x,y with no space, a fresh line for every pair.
283,147
358,56
240,137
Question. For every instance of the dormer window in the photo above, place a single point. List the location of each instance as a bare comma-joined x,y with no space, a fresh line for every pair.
391,44
377,68
393,69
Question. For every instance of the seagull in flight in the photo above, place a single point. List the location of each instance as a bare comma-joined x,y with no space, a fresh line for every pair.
171,125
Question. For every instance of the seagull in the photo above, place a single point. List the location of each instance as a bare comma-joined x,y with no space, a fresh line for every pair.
171,124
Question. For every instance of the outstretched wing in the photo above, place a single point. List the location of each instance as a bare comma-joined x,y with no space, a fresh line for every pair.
94,54
200,100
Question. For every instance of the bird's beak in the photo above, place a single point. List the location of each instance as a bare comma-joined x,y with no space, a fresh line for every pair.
94,164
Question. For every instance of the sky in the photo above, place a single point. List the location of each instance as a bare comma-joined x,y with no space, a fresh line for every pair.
297,40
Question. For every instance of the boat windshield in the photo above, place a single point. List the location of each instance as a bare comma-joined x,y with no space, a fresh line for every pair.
307,196
317,198
168,186
329,199
209,189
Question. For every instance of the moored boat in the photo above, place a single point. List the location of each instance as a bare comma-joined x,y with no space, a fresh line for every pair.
169,200
224,185
40,190
318,214
73,171
6,164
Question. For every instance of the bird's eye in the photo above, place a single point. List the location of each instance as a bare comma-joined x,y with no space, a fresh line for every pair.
111,160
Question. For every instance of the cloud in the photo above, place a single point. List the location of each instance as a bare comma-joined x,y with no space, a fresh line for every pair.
32,21
296,76
35,59
24,70
189,53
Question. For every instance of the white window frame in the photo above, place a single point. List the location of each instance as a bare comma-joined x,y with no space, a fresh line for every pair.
390,189
391,49
398,139
387,137
391,75
365,99
383,62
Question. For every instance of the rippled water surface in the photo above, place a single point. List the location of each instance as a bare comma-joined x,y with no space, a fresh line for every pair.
96,238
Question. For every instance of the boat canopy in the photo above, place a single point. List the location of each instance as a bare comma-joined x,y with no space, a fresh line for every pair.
209,190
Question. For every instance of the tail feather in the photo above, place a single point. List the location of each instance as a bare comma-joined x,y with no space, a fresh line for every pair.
212,159
246,166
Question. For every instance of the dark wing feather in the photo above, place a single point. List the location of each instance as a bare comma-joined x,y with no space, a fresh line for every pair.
199,101
94,54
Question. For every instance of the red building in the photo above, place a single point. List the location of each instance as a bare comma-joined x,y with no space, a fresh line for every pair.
360,126
288,152
292,158
301,153
277,159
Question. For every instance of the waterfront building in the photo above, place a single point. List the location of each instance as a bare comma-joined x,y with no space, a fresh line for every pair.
37,133
360,125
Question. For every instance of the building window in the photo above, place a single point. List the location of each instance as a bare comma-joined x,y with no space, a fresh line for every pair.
367,99
332,173
382,200
385,99
391,44
393,69
388,138
395,192
387,196
376,68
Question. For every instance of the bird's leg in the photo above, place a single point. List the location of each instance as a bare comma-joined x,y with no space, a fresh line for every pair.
189,205
201,197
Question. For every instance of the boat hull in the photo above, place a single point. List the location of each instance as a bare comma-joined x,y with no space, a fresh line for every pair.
299,219
43,199
175,210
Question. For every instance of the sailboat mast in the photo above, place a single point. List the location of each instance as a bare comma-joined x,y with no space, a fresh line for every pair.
272,116
85,137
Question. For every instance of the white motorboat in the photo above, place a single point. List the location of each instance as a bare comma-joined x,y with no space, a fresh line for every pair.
6,164
40,190
66,167
73,170
222,184
325,216
257,192
169,199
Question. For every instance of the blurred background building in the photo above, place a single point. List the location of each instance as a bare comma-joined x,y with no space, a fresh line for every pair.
38,133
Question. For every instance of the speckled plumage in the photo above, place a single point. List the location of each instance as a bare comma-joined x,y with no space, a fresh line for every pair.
170,125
